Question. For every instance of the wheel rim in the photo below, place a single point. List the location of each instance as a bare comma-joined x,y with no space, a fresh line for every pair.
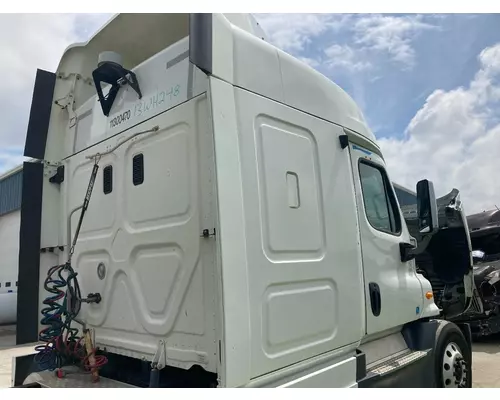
454,367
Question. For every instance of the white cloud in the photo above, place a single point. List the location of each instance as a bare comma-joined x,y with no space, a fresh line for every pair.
292,32
314,63
390,35
344,56
28,42
352,43
454,139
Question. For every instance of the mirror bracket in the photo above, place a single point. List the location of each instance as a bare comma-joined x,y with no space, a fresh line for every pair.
407,251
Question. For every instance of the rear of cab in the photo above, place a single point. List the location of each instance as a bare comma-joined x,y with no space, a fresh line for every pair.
223,230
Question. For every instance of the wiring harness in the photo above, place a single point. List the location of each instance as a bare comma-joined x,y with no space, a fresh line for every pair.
62,343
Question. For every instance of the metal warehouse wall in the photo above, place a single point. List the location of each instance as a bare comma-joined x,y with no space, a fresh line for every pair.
9,248
10,192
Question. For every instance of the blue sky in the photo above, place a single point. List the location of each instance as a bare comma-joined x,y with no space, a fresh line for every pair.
428,85
390,82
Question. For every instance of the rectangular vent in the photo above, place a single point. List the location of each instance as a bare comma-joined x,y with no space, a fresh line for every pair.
138,169
107,179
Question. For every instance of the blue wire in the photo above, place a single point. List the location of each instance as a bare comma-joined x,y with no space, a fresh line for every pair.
57,318
47,357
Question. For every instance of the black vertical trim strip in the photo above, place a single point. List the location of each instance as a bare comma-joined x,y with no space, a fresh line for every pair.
360,365
41,106
24,365
200,41
29,253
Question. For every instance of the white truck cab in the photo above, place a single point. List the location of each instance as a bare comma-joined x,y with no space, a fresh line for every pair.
239,228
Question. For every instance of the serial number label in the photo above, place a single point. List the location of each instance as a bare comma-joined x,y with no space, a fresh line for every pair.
156,100
119,119
159,100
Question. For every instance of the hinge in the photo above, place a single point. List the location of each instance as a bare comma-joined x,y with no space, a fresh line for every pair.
58,177
344,141
159,360
206,233
51,249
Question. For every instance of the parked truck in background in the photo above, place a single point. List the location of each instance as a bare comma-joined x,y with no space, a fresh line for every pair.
239,227
452,233
485,238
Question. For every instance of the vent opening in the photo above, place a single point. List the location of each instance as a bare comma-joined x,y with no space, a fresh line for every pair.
107,181
138,169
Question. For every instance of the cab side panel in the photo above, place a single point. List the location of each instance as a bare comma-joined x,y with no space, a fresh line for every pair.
303,255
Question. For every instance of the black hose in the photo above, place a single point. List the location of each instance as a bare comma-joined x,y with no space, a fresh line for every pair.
154,378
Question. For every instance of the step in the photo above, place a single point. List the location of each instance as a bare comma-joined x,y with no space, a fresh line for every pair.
397,362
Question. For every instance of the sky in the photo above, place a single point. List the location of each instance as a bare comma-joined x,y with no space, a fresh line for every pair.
428,85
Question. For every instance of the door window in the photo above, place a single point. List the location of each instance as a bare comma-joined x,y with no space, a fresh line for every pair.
380,205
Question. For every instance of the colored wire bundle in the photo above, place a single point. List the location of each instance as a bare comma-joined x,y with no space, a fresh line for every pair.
62,343
47,357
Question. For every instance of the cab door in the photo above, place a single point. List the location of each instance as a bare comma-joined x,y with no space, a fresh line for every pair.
393,291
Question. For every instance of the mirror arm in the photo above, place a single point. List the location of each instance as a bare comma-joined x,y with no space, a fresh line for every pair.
408,251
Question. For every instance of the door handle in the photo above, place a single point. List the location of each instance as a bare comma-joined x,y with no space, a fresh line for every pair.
375,298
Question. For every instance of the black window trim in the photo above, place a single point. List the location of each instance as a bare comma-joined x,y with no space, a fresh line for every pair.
390,192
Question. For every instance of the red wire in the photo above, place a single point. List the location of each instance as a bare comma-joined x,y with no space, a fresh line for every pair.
71,348
100,361
78,351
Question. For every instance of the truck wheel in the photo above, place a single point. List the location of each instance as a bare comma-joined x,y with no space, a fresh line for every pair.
453,358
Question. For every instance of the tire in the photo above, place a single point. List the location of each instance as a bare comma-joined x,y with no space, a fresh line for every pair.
453,358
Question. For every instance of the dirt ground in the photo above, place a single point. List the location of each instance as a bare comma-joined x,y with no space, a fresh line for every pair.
485,359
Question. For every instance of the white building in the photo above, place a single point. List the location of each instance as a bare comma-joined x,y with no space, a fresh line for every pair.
10,219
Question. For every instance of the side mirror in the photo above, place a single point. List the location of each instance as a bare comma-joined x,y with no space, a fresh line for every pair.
426,207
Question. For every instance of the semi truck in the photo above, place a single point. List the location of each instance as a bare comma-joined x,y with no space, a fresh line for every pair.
210,211
484,228
453,231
